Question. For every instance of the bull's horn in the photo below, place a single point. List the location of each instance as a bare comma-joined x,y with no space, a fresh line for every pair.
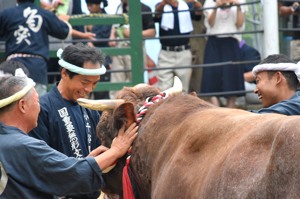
99,105
177,87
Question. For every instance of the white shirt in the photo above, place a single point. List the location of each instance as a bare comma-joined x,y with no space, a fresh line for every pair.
225,20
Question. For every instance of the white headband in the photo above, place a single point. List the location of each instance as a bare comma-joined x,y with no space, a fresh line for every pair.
278,67
79,70
18,95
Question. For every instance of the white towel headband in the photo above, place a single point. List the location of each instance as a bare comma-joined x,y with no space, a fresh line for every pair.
77,69
278,67
18,95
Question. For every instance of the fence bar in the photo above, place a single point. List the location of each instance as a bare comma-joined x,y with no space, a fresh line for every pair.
271,38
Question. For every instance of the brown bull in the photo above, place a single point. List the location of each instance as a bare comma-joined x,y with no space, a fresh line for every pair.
187,148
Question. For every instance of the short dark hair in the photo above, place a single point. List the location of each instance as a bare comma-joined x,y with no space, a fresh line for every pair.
97,2
80,53
22,1
277,58
10,67
290,76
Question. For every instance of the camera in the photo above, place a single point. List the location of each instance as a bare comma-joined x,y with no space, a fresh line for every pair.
296,8
227,5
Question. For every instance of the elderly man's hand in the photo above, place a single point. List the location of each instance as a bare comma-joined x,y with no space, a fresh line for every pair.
123,141
98,151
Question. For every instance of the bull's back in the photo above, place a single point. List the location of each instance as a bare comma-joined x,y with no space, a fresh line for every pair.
225,153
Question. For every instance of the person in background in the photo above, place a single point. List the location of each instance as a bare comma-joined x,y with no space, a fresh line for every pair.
25,28
29,167
250,54
62,123
277,79
197,48
287,9
227,16
175,19
102,32
77,10
64,9
123,62
51,5
10,67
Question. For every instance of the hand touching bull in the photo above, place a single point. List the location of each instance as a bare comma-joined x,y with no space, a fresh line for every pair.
106,157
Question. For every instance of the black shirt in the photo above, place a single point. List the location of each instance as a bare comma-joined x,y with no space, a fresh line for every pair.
175,31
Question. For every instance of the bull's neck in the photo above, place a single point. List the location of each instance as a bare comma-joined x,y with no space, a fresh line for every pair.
140,189
141,182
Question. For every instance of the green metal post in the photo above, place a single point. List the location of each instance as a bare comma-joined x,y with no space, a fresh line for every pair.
136,42
135,50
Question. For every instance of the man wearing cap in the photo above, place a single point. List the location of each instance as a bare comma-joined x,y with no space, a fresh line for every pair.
62,123
277,78
29,168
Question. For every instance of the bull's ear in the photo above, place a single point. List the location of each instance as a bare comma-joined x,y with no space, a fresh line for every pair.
124,114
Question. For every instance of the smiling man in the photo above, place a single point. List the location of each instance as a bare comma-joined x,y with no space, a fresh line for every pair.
277,79
62,123
29,168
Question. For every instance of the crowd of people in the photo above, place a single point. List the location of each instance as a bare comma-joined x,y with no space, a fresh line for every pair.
56,152
174,18
118,31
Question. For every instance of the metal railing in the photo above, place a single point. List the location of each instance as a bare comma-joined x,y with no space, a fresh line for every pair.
135,48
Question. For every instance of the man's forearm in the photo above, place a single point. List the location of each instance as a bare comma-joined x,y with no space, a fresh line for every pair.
149,32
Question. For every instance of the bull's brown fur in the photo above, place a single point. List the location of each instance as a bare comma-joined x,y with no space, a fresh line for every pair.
187,148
